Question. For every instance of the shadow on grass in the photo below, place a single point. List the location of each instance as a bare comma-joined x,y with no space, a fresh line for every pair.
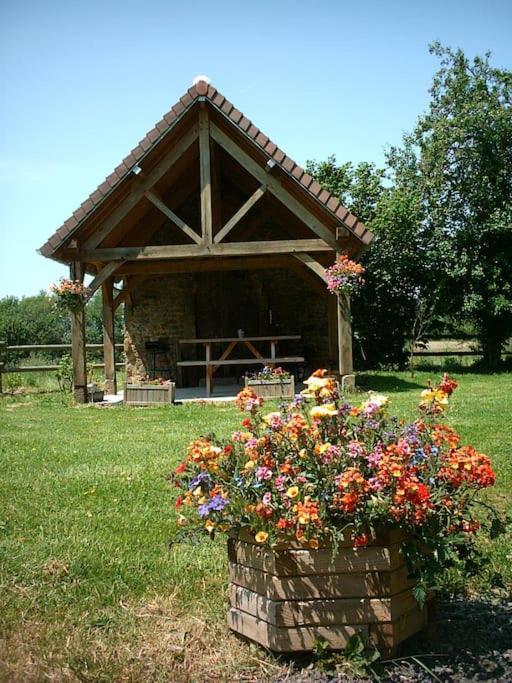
387,383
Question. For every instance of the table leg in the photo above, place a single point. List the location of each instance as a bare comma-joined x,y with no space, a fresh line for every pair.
208,357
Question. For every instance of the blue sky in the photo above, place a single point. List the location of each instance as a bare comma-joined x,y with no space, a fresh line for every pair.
82,82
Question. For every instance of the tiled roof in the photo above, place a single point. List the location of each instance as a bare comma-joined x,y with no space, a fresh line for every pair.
204,91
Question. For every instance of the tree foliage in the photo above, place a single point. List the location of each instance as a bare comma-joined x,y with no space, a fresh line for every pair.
441,212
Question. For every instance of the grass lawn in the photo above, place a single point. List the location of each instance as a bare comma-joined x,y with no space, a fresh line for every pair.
91,590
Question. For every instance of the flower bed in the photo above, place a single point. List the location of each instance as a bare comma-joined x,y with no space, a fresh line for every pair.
322,478
272,383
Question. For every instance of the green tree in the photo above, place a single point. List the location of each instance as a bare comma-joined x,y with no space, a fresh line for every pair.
464,144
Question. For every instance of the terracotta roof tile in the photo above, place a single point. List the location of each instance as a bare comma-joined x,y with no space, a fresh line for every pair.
235,115
288,164
244,123
270,147
315,188
201,89
306,180
261,139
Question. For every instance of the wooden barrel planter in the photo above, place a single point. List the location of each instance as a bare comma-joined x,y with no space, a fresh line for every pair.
285,598
272,388
149,394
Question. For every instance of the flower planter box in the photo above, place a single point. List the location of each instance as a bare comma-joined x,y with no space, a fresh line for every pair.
94,393
149,394
285,598
272,388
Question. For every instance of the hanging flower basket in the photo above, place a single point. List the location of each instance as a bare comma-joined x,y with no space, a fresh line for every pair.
340,517
344,276
70,295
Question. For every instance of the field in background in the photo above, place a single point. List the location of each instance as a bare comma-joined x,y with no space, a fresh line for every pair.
90,587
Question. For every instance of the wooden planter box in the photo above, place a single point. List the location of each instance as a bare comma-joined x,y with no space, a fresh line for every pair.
286,598
273,388
149,394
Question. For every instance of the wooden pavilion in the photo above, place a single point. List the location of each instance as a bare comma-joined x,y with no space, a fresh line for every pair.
204,196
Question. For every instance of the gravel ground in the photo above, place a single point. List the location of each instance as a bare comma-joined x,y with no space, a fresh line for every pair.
468,640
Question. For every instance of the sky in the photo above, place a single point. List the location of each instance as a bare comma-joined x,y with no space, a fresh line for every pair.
82,82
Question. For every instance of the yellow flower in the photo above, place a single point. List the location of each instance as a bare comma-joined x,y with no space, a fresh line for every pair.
326,410
293,492
379,400
261,537
198,491
209,526
249,465
182,520
303,453
313,543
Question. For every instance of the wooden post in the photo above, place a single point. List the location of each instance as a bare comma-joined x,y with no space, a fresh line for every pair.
78,342
345,366
107,290
206,181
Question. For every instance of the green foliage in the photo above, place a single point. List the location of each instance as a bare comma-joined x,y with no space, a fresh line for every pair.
65,373
464,144
441,212
32,320
356,660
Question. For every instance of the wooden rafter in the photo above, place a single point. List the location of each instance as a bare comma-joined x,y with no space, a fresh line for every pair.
240,213
141,186
127,290
157,201
177,251
274,186
312,264
205,176
103,275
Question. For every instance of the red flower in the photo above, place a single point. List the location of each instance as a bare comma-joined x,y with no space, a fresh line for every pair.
361,540
181,468
179,502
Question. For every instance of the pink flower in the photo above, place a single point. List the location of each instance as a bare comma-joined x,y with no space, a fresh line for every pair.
267,498
263,474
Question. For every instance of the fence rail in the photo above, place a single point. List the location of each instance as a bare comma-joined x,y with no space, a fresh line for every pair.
6,369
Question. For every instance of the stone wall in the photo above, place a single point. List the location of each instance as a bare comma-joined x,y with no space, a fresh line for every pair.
217,304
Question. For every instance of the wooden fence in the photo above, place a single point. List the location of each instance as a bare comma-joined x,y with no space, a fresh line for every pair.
27,348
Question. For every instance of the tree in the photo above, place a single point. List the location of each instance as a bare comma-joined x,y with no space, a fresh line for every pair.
464,144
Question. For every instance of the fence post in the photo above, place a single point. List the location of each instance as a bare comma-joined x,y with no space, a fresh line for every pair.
2,347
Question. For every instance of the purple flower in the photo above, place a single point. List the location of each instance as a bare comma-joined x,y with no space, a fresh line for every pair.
199,479
214,504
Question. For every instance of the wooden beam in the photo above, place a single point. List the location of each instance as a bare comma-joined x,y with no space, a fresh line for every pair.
103,275
312,264
140,187
127,290
275,187
240,213
109,341
78,341
175,251
207,265
157,201
205,175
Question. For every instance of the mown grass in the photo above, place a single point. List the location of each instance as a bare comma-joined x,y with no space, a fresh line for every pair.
91,589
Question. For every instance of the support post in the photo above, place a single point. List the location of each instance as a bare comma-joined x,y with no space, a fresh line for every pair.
107,291
78,342
345,366
205,175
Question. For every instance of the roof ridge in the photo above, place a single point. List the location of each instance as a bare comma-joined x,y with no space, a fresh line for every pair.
198,91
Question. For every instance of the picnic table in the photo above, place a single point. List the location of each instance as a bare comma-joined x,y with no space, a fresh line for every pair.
211,364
